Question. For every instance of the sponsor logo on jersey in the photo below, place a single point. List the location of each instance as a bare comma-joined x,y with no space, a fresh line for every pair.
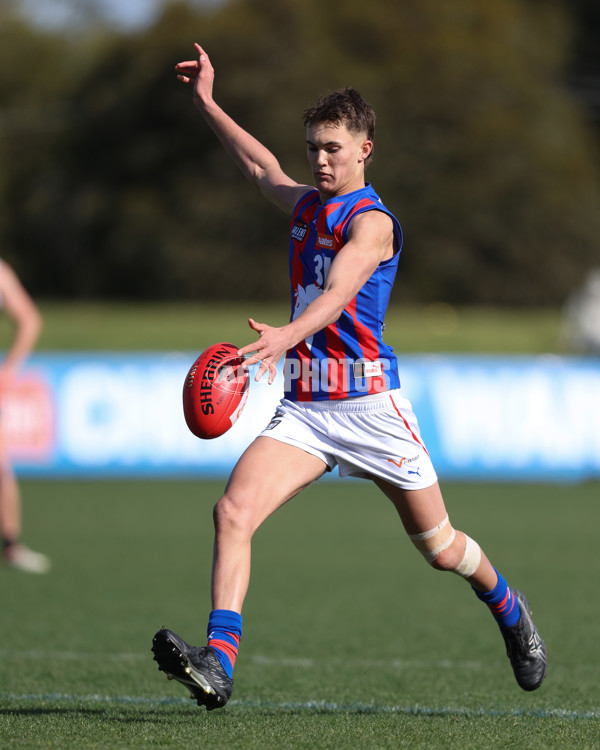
368,369
299,230
326,241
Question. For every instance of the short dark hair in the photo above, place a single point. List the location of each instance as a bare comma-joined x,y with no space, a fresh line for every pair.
343,107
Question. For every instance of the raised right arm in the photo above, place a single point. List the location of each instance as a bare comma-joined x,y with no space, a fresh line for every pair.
256,162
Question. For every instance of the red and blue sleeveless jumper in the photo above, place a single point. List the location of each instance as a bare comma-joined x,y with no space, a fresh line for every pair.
348,358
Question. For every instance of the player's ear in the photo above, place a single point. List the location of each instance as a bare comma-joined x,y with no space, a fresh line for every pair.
366,150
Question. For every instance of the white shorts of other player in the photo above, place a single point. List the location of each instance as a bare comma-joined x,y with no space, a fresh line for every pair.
368,436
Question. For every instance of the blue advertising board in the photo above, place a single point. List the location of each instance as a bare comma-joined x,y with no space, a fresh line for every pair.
482,418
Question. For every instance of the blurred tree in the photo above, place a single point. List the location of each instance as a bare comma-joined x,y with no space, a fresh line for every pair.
38,74
123,191
583,67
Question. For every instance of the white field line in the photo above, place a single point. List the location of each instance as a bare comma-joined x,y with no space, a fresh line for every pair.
43,655
259,660
316,707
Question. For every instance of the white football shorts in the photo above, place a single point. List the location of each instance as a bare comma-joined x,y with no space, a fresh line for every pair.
368,436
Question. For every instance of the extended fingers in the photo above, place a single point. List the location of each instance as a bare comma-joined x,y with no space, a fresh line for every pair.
260,351
251,360
248,349
203,59
189,69
256,345
266,366
272,372
187,65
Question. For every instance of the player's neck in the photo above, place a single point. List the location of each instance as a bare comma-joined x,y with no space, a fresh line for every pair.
352,187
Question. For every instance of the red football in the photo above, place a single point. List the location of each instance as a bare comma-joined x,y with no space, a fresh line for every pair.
215,391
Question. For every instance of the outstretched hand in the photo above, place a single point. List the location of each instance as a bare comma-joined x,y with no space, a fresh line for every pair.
272,344
198,73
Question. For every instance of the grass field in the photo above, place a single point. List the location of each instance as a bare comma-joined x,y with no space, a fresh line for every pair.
190,327
350,640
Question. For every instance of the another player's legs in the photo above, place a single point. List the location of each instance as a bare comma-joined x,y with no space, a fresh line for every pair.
426,521
268,474
14,553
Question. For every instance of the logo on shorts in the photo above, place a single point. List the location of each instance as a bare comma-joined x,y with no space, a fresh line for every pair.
275,421
398,463
417,472
403,461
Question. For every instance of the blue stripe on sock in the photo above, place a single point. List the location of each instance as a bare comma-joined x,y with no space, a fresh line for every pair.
223,624
509,614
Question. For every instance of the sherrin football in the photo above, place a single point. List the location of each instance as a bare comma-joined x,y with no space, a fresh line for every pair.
215,391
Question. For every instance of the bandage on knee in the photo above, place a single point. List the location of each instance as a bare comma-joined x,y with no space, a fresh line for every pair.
431,543
471,559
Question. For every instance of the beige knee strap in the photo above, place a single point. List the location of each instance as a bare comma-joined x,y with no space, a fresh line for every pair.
471,559
431,543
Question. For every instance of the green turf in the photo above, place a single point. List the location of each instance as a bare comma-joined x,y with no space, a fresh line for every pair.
350,640
190,327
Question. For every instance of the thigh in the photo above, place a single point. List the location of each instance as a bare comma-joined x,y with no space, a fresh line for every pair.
419,510
268,474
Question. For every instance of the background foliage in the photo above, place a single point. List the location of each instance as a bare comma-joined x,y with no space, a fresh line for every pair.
111,186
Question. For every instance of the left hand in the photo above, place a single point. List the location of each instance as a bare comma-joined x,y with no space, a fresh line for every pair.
272,344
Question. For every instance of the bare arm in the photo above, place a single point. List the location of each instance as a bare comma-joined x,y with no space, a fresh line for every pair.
256,162
370,241
28,322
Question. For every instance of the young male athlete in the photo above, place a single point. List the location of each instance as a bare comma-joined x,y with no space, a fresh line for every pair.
342,406
19,306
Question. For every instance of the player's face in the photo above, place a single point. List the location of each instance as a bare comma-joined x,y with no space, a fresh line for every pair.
337,158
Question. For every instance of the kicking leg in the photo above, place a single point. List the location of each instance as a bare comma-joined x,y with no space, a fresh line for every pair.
268,474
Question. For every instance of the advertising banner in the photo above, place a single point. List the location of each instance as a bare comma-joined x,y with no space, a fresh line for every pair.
482,418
